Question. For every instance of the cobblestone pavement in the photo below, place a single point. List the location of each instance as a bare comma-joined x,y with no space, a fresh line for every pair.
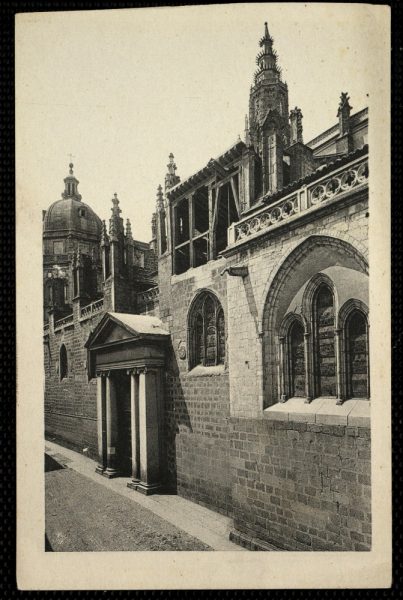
82,515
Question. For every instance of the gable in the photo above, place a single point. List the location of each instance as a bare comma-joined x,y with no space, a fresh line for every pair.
119,327
114,333
108,331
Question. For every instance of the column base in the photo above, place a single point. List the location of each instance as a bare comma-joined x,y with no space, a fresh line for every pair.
133,484
100,470
145,488
340,401
110,473
308,400
283,398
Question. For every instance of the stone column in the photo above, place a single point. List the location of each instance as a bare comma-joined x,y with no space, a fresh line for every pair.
111,428
149,433
308,379
101,423
339,371
283,393
134,413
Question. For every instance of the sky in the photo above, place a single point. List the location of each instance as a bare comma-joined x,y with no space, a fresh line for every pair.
121,89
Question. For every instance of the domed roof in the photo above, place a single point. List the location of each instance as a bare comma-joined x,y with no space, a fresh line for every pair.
70,215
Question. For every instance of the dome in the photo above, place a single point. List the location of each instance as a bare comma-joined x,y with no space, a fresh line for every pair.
70,215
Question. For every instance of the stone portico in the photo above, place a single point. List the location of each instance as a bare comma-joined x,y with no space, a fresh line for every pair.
126,354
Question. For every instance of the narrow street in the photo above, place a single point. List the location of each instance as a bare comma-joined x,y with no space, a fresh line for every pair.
82,515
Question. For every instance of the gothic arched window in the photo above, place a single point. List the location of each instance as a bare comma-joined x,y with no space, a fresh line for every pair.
356,340
207,331
324,346
296,354
64,368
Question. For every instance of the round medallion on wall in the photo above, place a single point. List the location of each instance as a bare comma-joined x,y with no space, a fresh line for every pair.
182,351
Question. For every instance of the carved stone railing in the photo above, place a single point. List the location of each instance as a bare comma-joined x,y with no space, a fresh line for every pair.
354,176
45,328
148,297
307,198
92,309
279,211
63,322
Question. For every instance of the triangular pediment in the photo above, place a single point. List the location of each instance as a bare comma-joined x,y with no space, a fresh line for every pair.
114,333
118,327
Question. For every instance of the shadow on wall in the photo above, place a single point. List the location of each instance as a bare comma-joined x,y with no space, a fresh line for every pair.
176,417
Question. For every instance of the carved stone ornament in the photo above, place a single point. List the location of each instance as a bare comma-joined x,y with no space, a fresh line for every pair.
182,351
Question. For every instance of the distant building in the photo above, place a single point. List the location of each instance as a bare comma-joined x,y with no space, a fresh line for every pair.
228,359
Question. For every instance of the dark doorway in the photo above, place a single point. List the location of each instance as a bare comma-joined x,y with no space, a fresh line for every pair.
124,441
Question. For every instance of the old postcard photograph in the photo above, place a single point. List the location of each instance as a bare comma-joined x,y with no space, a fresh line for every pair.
203,297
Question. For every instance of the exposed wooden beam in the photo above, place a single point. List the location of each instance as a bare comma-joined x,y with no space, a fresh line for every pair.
235,194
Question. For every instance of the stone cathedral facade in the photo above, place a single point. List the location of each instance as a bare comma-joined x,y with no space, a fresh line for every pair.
228,359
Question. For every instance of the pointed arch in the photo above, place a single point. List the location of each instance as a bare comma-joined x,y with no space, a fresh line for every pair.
206,330
304,261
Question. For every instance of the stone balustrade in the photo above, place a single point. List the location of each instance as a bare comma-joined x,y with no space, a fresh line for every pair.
307,198
63,322
91,309
148,297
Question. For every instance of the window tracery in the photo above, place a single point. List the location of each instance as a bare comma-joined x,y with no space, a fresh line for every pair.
207,331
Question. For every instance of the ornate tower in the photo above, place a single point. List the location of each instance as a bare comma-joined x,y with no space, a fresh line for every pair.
269,131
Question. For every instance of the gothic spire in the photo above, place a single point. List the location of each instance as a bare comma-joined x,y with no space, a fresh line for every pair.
104,235
129,230
115,222
267,59
160,199
70,185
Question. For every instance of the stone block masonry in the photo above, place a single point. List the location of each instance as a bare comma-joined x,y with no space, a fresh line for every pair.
197,440
70,403
300,486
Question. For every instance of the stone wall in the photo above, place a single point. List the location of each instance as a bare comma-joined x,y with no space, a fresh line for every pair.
300,486
197,404
70,404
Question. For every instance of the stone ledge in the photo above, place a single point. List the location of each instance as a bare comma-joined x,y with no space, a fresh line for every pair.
251,543
201,371
323,411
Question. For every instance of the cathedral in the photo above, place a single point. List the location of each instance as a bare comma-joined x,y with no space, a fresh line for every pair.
227,360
